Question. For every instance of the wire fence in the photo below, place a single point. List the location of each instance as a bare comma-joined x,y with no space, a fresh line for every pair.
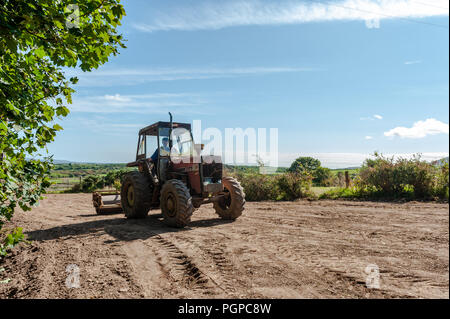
64,183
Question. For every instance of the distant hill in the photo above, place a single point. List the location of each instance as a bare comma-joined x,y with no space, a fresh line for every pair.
57,161
61,162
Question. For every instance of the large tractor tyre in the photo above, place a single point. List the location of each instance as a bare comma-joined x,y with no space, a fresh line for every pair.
135,195
231,207
176,204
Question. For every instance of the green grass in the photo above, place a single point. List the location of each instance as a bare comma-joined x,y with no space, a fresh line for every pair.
319,190
65,180
340,192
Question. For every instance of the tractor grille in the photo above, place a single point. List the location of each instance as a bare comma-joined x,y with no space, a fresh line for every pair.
212,171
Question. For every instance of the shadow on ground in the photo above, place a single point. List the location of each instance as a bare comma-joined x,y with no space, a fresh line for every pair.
121,229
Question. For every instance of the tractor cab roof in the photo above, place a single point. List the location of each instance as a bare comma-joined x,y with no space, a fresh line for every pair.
153,129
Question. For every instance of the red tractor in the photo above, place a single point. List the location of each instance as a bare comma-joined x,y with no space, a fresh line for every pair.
174,176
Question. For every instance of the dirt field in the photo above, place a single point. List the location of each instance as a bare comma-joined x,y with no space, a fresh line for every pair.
299,249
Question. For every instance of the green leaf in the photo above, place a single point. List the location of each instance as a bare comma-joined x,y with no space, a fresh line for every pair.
40,52
57,127
62,111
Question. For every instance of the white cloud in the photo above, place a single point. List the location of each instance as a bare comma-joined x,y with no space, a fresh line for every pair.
105,126
111,77
371,118
413,62
117,98
217,15
368,137
143,104
419,129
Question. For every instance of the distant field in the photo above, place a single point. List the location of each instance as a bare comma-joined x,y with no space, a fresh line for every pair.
65,176
350,171
76,170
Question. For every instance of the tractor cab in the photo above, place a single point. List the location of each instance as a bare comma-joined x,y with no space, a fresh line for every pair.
161,144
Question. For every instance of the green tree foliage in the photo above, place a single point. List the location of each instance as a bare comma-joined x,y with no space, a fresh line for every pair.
304,164
323,176
38,38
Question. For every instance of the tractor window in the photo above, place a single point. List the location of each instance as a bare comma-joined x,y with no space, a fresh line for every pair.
152,145
181,142
141,149
164,149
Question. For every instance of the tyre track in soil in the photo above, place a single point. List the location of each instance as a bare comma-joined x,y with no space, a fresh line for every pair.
178,272
221,269
182,269
275,250
179,267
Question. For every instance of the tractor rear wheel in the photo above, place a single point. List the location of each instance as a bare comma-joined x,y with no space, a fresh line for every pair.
135,195
176,203
231,207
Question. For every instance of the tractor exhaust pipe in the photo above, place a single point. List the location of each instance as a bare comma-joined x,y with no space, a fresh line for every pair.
170,132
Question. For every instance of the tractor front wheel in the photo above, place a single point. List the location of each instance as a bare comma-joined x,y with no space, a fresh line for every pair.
135,195
231,206
176,203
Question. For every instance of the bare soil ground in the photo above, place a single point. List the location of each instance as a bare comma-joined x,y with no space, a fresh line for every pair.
301,249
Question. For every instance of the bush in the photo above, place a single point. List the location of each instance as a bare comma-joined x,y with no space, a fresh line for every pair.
287,186
293,186
113,177
11,240
258,187
95,182
442,179
91,183
402,178
323,177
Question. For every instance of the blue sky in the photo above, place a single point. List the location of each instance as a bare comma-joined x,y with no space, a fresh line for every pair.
339,79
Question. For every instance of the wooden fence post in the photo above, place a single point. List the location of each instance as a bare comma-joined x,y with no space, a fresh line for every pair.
347,180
